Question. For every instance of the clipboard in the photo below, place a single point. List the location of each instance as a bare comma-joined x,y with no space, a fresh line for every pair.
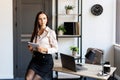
34,45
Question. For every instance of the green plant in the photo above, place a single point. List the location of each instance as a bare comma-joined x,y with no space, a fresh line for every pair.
61,28
69,7
74,48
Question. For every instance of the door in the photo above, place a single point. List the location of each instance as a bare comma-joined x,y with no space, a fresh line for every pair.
25,13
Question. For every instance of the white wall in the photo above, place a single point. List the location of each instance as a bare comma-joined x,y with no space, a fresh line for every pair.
98,31
6,39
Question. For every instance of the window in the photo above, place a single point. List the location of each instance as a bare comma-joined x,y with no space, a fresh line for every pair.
118,22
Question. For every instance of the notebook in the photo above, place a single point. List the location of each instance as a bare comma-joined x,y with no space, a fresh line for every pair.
69,62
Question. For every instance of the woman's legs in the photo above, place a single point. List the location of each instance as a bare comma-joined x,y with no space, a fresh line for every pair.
30,75
37,77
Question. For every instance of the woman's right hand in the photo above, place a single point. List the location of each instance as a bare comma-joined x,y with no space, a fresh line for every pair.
30,48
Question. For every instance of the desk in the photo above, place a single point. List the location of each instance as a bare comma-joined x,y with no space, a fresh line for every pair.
90,71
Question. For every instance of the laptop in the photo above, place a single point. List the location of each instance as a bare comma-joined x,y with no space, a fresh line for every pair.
69,62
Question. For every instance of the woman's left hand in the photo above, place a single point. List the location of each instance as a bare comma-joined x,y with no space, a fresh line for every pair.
42,50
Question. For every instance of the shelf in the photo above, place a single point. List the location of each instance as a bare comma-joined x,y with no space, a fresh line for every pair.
68,36
69,14
73,28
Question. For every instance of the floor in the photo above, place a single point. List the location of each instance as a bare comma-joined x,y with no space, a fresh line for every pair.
111,78
23,79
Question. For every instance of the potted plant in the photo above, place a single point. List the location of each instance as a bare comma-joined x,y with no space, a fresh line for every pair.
61,30
69,9
74,50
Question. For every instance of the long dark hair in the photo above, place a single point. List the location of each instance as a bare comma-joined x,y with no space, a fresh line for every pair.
37,26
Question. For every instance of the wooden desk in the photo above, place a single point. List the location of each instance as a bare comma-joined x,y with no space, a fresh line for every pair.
89,71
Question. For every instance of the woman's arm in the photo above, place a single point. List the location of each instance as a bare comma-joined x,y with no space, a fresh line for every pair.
42,50
53,43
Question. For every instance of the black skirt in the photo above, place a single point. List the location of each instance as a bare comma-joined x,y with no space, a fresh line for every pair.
42,64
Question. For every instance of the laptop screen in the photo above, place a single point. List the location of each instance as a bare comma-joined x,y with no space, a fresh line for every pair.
68,62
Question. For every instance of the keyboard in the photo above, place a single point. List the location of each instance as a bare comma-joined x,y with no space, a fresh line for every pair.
79,64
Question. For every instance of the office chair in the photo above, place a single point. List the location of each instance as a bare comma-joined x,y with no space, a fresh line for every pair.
93,56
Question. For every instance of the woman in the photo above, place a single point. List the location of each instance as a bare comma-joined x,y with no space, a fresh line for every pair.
40,67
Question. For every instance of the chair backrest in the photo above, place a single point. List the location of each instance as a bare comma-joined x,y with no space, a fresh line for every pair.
93,56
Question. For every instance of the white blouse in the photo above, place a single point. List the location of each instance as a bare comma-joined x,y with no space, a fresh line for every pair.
48,40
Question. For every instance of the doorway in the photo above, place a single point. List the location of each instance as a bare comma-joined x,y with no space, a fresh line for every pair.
24,12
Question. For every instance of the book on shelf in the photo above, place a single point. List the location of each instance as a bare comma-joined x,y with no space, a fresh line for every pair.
72,28
77,27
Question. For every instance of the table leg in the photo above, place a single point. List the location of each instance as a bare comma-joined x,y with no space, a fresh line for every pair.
114,75
82,78
56,78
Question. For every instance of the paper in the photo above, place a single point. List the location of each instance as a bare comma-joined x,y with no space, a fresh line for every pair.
34,45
